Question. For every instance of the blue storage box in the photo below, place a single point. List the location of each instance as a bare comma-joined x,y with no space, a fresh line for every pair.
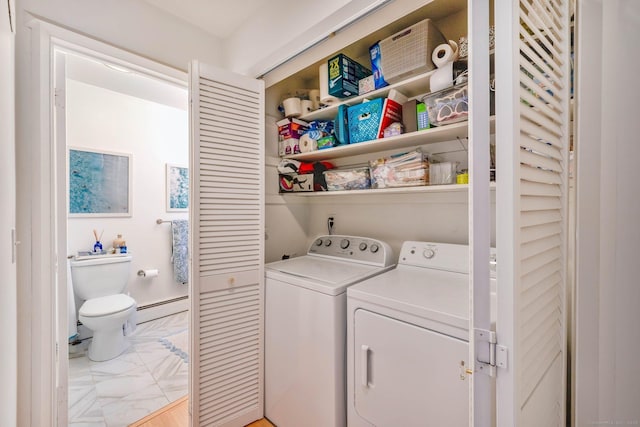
341,127
364,120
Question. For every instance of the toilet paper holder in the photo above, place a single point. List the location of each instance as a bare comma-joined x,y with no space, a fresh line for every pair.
148,273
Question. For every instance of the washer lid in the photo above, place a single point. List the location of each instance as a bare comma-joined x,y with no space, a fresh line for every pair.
103,306
329,276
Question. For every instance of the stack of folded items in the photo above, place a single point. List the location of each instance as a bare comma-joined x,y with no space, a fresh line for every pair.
400,170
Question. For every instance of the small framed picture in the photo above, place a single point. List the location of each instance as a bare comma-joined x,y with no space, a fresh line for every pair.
177,188
99,183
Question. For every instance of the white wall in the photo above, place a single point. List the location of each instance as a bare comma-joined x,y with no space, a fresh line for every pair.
154,134
283,28
607,374
132,25
278,22
8,313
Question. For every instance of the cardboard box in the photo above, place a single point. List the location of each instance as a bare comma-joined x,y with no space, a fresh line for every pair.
288,146
376,66
344,75
291,128
293,183
409,116
366,85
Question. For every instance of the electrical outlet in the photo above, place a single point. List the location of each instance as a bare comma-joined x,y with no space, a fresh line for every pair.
331,223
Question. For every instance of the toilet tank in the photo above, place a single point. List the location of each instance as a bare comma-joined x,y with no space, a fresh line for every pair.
100,275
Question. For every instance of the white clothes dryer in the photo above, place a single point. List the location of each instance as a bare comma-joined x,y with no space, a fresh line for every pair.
407,341
305,328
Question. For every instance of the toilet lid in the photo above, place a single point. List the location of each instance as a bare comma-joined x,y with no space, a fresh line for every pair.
106,305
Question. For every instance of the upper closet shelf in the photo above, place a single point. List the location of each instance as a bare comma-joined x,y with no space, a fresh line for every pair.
411,87
428,136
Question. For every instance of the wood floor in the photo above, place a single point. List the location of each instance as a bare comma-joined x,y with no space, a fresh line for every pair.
176,414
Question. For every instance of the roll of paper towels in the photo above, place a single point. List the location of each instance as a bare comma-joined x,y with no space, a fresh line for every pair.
307,144
441,78
153,272
325,98
445,53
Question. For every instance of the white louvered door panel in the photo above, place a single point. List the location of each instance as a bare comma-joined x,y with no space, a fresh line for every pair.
532,105
227,249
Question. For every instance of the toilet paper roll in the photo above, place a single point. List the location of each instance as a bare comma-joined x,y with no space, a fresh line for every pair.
442,78
292,107
314,96
325,98
307,106
445,53
148,273
307,144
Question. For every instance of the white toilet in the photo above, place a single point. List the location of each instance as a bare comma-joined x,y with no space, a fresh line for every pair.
100,280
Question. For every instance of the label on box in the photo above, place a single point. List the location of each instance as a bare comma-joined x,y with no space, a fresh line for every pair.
288,146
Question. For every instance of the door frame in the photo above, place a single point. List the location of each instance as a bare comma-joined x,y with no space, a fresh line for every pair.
42,294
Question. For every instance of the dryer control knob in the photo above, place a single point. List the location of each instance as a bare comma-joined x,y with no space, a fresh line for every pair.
374,248
318,242
327,242
344,243
363,246
429,253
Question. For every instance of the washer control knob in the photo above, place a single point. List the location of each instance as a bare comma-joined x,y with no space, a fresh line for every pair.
374,248
318,242
363,246
327,242
429,253
344,243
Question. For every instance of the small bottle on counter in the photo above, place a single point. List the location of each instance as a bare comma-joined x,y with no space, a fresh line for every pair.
118,241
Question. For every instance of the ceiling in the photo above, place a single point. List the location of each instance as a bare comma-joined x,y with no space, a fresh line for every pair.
219,18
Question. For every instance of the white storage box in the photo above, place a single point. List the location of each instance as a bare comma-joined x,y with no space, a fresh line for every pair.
408,52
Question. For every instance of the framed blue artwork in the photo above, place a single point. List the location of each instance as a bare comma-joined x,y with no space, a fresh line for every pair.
177,188
99,183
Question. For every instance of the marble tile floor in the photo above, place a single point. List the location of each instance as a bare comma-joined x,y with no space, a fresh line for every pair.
143,379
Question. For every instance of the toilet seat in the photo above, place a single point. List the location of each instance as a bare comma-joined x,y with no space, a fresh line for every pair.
103,306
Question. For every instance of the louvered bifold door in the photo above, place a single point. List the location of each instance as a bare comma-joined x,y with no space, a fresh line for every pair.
226,243
532,140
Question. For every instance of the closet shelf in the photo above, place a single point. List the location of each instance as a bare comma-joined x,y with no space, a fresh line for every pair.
411,87
451,188
412,139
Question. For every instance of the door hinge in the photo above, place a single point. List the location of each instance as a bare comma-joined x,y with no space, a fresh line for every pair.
489,355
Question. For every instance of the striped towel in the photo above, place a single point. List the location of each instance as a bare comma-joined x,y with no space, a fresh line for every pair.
179,256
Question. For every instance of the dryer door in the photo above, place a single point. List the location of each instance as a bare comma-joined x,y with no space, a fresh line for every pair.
396,368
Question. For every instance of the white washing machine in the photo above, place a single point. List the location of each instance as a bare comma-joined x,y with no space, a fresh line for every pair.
305,328
407,341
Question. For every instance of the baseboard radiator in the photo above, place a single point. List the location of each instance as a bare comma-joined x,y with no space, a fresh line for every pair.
163,308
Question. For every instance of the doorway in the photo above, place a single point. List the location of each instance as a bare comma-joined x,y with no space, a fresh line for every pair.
110,108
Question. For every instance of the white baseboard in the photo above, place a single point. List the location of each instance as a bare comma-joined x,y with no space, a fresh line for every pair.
158,310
